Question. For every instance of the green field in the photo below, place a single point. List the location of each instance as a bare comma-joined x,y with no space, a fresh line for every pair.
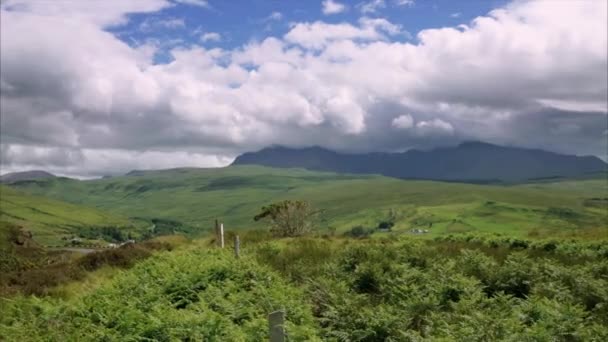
51,220
195,197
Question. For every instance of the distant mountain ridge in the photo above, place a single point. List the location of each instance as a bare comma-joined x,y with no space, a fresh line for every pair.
470,161
25,176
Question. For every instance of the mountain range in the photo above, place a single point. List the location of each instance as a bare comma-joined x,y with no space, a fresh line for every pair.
470,161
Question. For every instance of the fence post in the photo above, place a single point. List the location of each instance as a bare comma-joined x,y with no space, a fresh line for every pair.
222,235
276,321
237,246
217,232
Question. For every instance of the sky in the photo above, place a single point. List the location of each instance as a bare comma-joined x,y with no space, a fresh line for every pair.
102,87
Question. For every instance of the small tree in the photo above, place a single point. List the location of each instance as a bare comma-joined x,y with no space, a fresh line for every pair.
288,218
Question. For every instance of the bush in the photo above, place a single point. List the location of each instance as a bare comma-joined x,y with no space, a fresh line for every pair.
40,281
359,232
386,225
124,257
288,218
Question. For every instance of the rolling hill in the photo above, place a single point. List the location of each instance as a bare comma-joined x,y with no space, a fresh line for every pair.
51,220
469,162
195,197
25,176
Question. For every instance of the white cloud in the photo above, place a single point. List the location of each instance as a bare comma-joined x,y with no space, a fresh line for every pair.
100,12
332,7
520,75
199,3
100,162
156,23
318,34
211,36
408,3
403,121
434,126
371,6
455,15
380,24
275,16
574,105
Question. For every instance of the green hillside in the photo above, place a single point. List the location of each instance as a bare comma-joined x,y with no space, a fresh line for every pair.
195,197
50,220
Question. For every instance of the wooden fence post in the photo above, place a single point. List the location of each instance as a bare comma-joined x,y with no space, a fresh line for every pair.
237,246
222,235
217,232
276,322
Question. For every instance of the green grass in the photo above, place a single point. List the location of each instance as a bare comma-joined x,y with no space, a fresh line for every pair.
196,197
49,220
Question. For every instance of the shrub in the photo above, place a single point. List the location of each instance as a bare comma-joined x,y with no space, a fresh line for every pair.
386,225
288,218
359,232
124,257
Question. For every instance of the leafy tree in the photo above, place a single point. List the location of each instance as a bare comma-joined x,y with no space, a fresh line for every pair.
288,218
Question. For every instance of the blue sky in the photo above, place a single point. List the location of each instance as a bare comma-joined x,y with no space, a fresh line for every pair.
242,21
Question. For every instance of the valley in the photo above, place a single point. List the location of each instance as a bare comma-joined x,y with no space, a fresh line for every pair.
194,198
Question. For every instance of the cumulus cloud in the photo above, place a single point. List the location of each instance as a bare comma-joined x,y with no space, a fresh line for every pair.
404,121
155,23
99,12
332,7
408,3
199,3
371,6
318,35
100,162
275,16
211,36
520,75
435,126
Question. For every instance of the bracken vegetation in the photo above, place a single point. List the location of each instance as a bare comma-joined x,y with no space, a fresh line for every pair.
454,288
27,268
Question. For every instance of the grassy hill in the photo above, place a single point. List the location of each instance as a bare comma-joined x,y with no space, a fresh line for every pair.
50,220
195,197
